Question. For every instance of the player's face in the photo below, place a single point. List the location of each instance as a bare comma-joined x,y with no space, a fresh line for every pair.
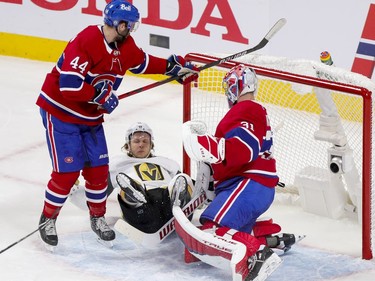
122,32
140,145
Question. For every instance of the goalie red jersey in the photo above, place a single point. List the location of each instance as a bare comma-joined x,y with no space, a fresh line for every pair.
68,88
247,152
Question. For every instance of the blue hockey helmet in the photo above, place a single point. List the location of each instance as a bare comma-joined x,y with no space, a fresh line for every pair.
118,11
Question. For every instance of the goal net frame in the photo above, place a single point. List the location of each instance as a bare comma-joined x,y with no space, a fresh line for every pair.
303,79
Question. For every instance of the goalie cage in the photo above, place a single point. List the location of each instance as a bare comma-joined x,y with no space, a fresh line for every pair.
321,116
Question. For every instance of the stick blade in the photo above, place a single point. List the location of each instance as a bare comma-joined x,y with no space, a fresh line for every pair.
277,26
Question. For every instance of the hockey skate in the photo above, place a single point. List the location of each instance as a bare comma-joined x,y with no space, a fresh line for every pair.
181,191
47,232
132,192
262,264
101,228
283,242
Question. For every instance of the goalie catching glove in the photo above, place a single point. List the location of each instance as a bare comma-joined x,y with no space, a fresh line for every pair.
104,96
201,146
178,66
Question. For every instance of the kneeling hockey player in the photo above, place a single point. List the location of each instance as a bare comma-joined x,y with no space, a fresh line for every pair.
244,171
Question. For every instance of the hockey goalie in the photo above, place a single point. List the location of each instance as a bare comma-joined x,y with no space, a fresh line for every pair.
231,236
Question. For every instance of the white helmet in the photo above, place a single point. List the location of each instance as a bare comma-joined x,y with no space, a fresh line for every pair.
238,81
138,127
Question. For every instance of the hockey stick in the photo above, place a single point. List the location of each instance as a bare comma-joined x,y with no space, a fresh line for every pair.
41,226
274,29
23,238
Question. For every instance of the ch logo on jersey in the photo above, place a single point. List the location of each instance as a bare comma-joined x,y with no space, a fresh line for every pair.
95,79
149,172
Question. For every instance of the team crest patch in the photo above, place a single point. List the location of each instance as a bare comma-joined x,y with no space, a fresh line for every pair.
149,172
68,159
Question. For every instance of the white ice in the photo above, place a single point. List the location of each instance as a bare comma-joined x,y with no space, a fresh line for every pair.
331,250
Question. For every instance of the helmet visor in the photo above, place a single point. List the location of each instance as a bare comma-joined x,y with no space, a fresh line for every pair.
132,25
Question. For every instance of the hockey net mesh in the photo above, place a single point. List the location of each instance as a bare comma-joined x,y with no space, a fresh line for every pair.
294,111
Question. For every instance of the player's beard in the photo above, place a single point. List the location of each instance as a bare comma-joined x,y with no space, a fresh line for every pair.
122,36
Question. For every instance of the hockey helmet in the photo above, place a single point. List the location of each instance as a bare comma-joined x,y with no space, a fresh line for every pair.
238,81
118,11
138,127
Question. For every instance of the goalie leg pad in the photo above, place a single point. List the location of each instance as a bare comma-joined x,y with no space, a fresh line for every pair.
223,253
189,257
252,244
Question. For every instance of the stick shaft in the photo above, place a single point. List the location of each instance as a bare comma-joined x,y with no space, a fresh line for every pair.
274,29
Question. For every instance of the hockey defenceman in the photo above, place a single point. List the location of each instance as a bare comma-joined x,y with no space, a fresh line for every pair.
244,171
75,95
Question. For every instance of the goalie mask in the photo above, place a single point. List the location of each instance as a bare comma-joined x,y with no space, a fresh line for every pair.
239,81
118,11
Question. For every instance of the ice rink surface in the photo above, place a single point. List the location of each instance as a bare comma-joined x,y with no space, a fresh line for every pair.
331,250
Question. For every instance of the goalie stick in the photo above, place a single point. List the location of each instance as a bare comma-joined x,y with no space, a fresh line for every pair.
274,29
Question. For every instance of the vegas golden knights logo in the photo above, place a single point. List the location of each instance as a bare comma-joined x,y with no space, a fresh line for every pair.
149,172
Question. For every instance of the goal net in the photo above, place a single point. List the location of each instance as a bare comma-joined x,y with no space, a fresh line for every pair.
322,121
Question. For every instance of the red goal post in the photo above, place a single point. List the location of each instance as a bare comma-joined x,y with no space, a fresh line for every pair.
300,97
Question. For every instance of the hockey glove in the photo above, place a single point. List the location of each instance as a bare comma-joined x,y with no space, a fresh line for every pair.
202,147
178,66
104,97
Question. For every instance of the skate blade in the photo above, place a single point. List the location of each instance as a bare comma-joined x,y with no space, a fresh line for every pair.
299,238
108,244
282,251
49,247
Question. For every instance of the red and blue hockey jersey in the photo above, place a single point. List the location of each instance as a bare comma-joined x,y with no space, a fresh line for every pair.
86,60
248,145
